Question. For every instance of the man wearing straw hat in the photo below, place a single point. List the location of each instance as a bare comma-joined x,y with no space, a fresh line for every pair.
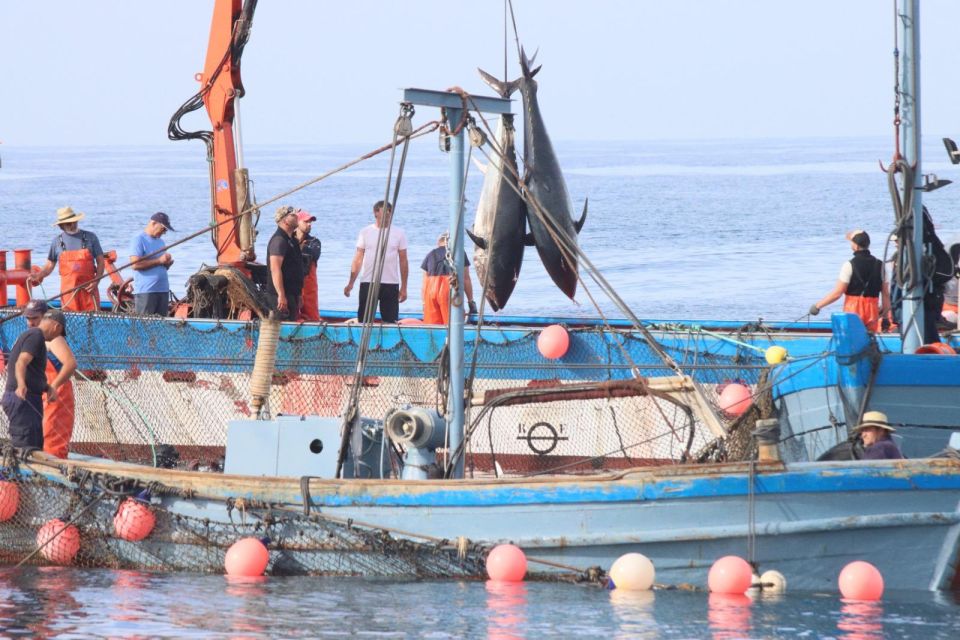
81,263
874,430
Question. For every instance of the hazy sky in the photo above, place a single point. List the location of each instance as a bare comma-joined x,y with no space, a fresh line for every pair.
113,71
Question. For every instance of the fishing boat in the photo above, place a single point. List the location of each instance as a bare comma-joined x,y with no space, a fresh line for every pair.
411,451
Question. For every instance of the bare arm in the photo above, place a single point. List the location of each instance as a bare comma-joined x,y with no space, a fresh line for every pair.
142,264
59,347
47,269
834,295
355,265
276,262
20,372
884,299
404,272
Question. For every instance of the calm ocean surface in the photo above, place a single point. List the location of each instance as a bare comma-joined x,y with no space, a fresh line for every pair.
735,230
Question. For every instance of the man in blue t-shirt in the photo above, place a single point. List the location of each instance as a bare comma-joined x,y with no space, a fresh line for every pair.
151,287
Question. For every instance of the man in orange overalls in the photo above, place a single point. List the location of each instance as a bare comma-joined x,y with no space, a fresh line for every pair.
310,248
58,416
435,291
81,263
863,283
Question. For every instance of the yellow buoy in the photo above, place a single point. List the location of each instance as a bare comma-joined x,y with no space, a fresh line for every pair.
775,354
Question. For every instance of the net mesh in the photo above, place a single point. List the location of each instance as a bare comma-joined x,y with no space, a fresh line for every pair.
161,392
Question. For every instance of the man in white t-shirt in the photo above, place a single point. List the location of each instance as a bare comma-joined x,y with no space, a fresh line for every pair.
393,280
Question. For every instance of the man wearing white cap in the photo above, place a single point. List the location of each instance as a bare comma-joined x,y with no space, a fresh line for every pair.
81,263
863,283
874,430
151,286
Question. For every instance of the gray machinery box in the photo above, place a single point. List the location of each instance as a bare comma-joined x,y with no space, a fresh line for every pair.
287,446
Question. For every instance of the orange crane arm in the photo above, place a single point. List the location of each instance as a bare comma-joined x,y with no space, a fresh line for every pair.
220,91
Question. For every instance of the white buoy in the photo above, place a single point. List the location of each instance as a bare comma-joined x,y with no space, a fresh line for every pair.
632,572
773,581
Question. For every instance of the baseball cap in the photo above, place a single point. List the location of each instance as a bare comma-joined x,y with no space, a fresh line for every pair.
35,309
859,237
163,219
305,216
283,211
57,316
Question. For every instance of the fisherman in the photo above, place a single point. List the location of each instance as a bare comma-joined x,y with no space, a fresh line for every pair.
26,382
310,248
874,430
151,285
81,263
438,277
393,279
862,281
58,417
285,285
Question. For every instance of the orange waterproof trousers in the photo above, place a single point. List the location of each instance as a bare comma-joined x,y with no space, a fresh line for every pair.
58,417
76,268
436,297
867,308
309,303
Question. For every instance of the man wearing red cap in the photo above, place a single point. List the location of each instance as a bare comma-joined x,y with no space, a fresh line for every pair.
863,283
310,248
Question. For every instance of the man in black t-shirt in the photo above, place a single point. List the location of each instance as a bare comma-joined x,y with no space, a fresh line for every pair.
27,382
285,260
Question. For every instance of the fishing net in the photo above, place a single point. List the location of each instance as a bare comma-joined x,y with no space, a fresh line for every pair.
162,391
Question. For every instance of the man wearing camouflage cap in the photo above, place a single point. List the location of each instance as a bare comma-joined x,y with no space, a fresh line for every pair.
285,260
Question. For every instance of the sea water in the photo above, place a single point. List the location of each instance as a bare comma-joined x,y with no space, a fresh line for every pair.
729,230
70,603
735,230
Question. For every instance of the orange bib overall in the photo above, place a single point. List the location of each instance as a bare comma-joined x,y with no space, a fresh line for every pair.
77,267
436,299
310,304
58,417
867,308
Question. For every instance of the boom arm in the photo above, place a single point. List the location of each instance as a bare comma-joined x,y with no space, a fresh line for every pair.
220,92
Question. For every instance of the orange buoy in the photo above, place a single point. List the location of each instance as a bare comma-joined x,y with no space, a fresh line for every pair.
58,541
936,348
9,499
553,342
506,563
730,574
134,520
246,557
735,399
861,580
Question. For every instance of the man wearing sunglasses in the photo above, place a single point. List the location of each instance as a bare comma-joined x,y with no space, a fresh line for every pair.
285,260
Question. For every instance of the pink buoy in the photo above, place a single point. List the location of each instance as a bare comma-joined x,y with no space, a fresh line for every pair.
506,563
730,574
553,342
409,321
9,499
58,542
134,520
246,557
861,580
735,399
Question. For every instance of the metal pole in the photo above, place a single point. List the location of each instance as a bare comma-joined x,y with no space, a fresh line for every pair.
912,314
455,399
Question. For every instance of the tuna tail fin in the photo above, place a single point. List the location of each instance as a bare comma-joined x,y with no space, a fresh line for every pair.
477,240
526,63
503,88
583,217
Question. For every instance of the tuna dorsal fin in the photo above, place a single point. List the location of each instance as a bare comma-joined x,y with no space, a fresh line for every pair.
482,168
503,88
477,240
583,217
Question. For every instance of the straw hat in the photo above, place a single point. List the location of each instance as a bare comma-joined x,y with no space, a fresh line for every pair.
874,419
66,215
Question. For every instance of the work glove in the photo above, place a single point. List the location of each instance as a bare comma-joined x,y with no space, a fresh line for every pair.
471,307
814,309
